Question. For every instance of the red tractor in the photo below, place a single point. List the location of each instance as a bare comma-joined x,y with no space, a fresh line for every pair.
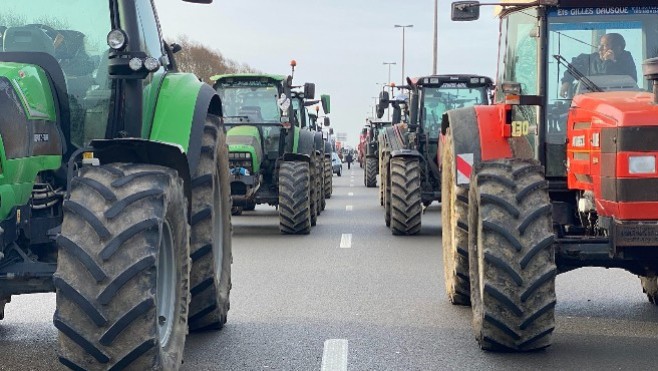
560,173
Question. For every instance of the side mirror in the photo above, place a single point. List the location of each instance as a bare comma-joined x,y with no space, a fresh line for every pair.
383,99
327,122
175,48
380,111
331,131
464,11
309,90
326,103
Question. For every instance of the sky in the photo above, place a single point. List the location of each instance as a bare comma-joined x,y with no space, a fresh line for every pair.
340,45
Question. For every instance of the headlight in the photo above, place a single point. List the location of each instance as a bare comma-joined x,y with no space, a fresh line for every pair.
117,39
136,64
642,164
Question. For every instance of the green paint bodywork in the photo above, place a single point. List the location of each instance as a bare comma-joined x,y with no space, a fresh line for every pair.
295,145
31,84
246,131
174,110
18,175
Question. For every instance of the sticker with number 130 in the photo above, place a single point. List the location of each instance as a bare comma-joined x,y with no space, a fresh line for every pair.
520,128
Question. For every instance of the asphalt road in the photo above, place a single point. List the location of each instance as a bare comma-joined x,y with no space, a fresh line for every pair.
376,303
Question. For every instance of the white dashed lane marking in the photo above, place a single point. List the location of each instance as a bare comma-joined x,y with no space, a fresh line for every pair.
334,357
346,241
351,194
349,208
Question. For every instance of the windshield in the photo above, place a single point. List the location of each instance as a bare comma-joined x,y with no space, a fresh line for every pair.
606,45
74,32
437,100
257,104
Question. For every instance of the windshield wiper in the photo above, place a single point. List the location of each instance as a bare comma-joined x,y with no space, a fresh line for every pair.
591,86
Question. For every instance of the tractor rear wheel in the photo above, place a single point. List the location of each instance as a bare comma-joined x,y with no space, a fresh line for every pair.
210,246
386,184
650,287
406,206
328,178
371,172
315,205
294,198
122,279
511,256
454,231
319,185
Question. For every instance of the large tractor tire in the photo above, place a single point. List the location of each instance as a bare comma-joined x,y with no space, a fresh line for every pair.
122,279
315,205
210,247
386,184
371,172
406,206
650,287
319,185
328,178
454,231
511,256
294,198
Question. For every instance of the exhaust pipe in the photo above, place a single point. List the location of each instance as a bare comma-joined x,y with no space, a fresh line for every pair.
650,72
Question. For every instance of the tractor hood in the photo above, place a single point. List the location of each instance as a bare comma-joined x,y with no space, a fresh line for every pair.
612,150
246,139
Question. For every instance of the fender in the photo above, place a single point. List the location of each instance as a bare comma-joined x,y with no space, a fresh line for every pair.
406,153
319,142
180,113
297,157
137,150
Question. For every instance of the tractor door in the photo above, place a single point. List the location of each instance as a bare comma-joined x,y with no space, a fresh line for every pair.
519,57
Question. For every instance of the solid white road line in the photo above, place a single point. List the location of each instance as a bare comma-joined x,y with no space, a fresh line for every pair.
349,208
346,241
334,357
351,194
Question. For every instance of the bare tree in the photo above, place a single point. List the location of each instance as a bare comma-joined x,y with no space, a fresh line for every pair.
206,62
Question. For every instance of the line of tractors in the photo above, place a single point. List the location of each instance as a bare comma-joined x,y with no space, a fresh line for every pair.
119,175
553,171
279,153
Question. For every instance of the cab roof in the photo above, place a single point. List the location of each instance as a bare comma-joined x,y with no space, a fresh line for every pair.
450,78
575,3
247,76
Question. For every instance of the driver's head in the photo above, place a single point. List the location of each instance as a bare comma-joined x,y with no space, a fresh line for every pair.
611,41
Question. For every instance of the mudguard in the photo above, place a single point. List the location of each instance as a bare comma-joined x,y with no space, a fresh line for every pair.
306,143
477,136
297,157
405,153
180,113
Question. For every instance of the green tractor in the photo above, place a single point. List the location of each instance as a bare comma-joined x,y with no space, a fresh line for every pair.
411,176
373,130
114,187
273,157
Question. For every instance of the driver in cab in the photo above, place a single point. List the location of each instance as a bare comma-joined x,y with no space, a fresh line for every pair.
610,59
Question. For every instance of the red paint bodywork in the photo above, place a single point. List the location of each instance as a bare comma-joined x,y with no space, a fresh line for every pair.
587,165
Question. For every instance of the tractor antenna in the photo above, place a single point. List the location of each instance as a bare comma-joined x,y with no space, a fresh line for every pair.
293,64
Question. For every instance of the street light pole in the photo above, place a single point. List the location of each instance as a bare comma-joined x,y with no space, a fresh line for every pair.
435,44
389,70
403,46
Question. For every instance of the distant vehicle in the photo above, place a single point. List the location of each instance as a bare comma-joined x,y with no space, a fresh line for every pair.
336,164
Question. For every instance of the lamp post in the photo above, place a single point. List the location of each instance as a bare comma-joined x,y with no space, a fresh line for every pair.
403,27
389,70
435,43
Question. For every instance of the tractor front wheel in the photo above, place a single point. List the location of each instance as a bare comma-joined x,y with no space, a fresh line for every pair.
371,172
210,248
454,231
511,256
122,279
294,198
406,206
